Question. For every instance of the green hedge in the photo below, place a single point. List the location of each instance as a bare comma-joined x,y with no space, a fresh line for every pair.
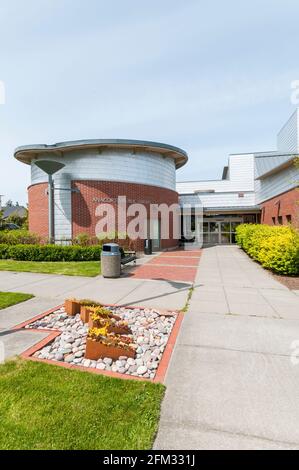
50,252
276,248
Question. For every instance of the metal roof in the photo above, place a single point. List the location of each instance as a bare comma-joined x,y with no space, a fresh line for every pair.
190,199
14,210
194,199
28,153
268,165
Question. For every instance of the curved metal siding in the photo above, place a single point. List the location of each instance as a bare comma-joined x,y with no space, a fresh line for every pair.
110,165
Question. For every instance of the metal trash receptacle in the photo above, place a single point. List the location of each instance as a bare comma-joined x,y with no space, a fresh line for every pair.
111,260
148,247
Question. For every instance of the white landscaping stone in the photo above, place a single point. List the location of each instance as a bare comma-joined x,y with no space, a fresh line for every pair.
79,354
150,332
69,358
108,361
141,370
131,361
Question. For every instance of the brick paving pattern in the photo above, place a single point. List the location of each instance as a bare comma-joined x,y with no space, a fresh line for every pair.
170,266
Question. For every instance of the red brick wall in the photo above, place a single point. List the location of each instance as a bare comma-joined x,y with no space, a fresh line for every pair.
281,206
38,209
84,206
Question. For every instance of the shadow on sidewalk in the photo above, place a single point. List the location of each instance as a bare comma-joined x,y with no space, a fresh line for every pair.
178,285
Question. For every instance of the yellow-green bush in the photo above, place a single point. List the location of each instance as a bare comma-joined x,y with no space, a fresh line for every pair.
276,248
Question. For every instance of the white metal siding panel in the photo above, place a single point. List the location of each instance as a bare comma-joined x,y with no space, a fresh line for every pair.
221,200
112,165
63,208
188,187
241,171
257,185
241,178
288,137
227,200
265,164
276,184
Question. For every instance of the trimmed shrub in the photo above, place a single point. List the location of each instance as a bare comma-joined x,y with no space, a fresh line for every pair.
50,253
83,239
276,248
24,237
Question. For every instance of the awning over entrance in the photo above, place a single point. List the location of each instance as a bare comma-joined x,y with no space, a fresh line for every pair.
215,228
232,210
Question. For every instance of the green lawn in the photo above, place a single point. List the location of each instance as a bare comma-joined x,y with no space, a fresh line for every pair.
48,407
70,268
11,298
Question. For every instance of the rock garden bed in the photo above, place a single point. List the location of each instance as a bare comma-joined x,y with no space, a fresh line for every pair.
149,333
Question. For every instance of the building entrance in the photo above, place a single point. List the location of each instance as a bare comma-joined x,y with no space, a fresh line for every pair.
219,231
214,229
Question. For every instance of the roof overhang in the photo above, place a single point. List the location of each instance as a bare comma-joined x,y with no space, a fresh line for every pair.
232,210
28,153
278,168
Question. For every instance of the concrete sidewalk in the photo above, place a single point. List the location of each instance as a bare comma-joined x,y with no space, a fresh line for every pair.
152,293
231,383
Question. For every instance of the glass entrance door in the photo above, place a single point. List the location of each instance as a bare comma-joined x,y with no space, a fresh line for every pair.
214,233
219,232
224,233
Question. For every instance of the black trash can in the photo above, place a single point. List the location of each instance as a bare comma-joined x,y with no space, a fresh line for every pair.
148,247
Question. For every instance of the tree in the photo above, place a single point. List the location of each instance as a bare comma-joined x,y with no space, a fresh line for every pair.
15,218
1,217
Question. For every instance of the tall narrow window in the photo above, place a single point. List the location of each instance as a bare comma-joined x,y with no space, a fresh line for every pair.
273,220
279,219
289,218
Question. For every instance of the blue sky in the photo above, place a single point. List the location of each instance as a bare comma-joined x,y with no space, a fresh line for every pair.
210,77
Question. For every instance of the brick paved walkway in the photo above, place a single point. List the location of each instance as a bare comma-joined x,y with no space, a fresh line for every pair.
177,265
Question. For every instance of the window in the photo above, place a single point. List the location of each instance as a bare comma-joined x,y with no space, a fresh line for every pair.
249,219
273,221
279,219
234,225
289,218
